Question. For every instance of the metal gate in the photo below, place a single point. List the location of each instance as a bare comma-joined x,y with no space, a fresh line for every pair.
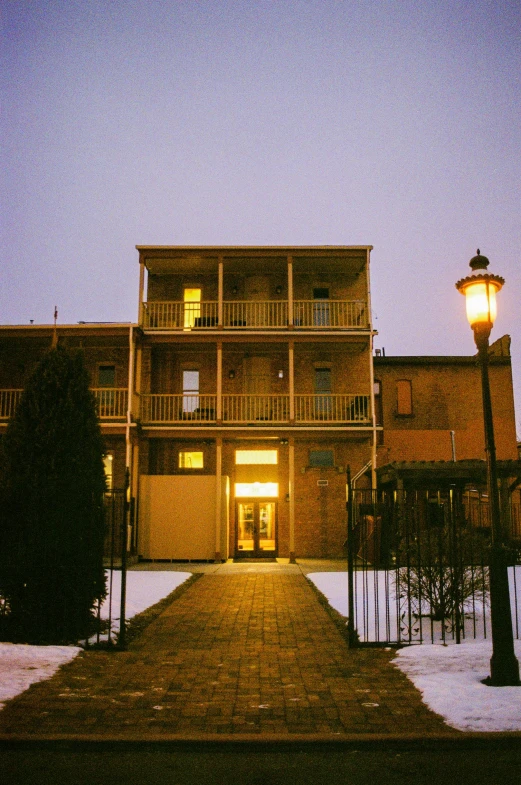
418,565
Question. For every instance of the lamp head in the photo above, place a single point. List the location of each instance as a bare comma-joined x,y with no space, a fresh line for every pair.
480,292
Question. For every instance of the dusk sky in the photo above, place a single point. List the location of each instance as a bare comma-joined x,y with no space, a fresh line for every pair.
392,124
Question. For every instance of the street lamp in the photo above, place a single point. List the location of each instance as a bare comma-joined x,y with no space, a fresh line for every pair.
480,291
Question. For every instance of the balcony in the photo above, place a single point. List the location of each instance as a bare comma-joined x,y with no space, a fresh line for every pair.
187,409
195,410
8,402
111,403
255,315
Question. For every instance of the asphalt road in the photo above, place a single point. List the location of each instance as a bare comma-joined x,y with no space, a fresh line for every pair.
494,764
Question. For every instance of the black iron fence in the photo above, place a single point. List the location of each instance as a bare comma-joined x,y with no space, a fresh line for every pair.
418,565
110,614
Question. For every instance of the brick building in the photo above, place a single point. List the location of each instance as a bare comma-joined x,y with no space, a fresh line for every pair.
247,388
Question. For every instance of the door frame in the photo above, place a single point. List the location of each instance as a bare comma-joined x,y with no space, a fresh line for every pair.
256,553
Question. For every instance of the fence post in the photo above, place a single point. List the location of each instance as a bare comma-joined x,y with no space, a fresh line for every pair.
124,532
352,636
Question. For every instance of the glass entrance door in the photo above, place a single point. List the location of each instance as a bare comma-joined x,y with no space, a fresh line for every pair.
256,529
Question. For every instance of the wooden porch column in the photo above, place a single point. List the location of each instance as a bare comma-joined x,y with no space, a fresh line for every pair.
290,291
291,484
291,364
218,497
219,414
141,289
220,292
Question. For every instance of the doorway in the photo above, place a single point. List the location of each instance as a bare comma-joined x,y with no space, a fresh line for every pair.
256,529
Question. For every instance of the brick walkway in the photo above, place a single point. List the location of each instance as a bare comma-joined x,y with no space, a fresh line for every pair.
248,654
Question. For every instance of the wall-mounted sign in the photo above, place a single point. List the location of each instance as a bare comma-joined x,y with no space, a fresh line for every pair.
322,482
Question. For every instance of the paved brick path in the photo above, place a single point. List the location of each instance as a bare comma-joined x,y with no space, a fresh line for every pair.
237,654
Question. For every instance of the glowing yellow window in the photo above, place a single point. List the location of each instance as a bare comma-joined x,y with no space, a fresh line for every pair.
256,457
261,490
191,460
108,461
192,303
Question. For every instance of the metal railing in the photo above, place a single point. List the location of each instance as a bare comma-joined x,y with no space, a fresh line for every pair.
111,402
160,408
330,313
255,408
9,400
254,314
333,408
418,566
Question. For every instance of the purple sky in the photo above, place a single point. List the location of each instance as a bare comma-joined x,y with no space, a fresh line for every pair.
396,124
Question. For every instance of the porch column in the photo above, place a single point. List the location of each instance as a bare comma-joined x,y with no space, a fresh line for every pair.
220,292
291,374
218,497
141,289
290,291
291,484
219,414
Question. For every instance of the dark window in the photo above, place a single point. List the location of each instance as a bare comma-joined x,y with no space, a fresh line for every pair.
107,376
321,458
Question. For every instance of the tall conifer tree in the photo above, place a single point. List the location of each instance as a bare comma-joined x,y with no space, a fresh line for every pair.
51,525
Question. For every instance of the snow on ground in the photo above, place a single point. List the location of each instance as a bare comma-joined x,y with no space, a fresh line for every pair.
448,676
22,665
144,588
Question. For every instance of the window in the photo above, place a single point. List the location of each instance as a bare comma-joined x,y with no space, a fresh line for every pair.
256,457
378,402
191,460
190,391
192,304
108,463
323,400
106,376
247,490
321,458
404,397
321,307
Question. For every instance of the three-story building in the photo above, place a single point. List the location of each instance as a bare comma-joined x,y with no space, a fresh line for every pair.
253,392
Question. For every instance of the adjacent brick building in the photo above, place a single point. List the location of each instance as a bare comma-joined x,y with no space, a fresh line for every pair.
247,388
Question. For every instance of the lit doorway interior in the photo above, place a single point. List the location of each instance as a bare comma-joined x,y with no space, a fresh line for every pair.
256,529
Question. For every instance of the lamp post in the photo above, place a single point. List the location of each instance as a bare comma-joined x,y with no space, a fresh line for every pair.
480,291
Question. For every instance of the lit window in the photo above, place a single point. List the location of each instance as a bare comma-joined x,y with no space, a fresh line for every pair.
263,490
256,457
191,460
192,301
404,397
190,391
321,458
108,462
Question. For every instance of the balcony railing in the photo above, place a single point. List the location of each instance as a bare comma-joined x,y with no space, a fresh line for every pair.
330,313
160,408
255,314
111,403
202,409
255,408
333,408
8,402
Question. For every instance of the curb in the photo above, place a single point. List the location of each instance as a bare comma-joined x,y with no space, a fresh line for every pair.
464,741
